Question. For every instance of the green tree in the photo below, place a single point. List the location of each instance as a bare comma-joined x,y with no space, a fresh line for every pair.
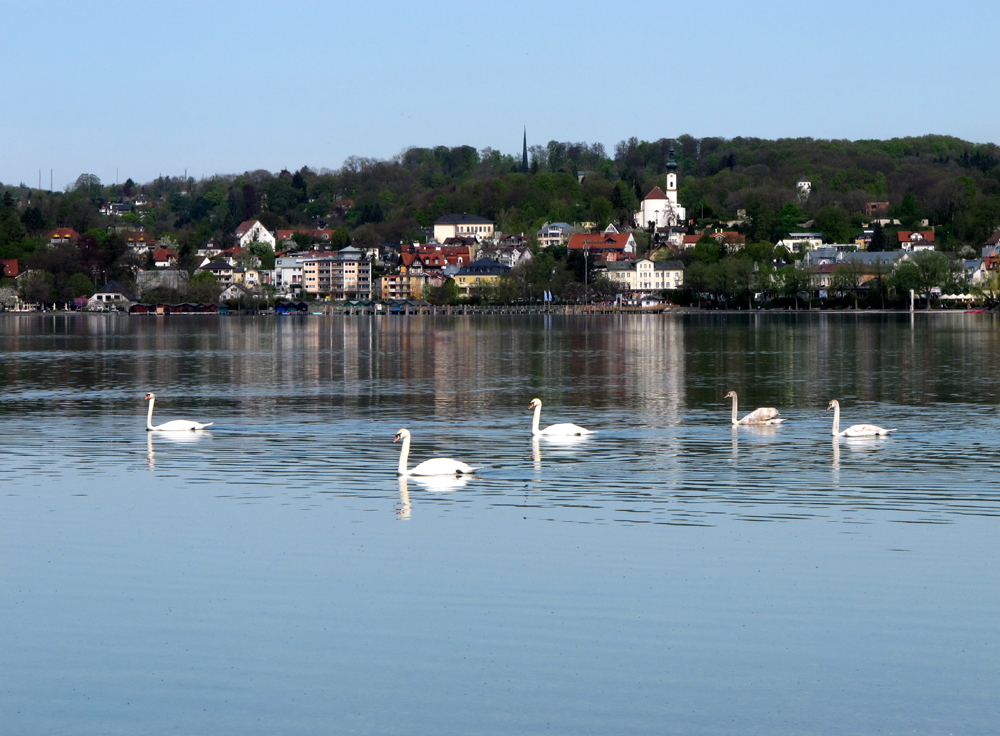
36,287
601,211
33,220
908,212
786,221
834,222
88,185
80,285
707,249
880,241
848,278
204,288
759,219
12,230
794,281
264,252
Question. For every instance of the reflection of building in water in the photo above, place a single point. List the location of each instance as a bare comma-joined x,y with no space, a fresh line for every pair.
648,351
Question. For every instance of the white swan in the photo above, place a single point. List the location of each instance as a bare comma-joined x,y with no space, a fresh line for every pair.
437,466
857,430
178,425
764,415
555,430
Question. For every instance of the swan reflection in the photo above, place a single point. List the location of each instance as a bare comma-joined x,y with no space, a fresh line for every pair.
441,483
179,438
176,438
553,442
403,509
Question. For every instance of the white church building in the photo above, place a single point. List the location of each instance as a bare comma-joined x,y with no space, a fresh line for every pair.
661,208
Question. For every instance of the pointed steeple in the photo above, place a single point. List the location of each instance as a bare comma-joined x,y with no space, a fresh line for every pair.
671,161
524,152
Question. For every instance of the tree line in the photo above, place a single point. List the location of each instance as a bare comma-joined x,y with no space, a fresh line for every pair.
369,202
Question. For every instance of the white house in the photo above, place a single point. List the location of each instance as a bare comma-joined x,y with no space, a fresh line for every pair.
111,296
463,226
646,275
554,233
803,188
287,274
251,231
796,242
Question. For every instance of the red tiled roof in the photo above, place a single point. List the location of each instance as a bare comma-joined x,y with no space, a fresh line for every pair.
245,226
656,193
906,236
692,239
163,255
135,237
439,256
10,268
598,241
64,233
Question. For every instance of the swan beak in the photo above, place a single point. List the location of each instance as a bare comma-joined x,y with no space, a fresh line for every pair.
146,397
829,407
396,440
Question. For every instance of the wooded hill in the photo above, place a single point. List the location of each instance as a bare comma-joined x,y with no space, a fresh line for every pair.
954,183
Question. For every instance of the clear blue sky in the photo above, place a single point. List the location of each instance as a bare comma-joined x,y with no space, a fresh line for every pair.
225,87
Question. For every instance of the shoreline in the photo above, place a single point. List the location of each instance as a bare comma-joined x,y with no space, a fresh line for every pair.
569,311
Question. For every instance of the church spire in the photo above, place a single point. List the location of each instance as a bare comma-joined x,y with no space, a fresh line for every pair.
524,152
671,161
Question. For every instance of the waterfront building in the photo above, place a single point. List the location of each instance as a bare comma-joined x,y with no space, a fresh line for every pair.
341,275
397,286
483,272
646,275
222,271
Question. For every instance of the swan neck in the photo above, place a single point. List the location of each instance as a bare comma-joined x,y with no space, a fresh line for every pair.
735,412
149,414
836,419
404,455
535,418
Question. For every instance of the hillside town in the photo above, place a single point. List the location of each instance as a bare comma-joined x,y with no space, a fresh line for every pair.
648,254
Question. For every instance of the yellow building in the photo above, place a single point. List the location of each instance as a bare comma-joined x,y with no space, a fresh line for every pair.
403,285
479,273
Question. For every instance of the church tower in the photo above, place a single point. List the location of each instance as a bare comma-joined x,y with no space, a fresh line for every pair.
524,152
672,177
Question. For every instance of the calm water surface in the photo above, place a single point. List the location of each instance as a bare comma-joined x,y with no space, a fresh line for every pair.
666,575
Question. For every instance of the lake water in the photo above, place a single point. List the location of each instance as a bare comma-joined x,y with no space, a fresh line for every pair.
667,575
